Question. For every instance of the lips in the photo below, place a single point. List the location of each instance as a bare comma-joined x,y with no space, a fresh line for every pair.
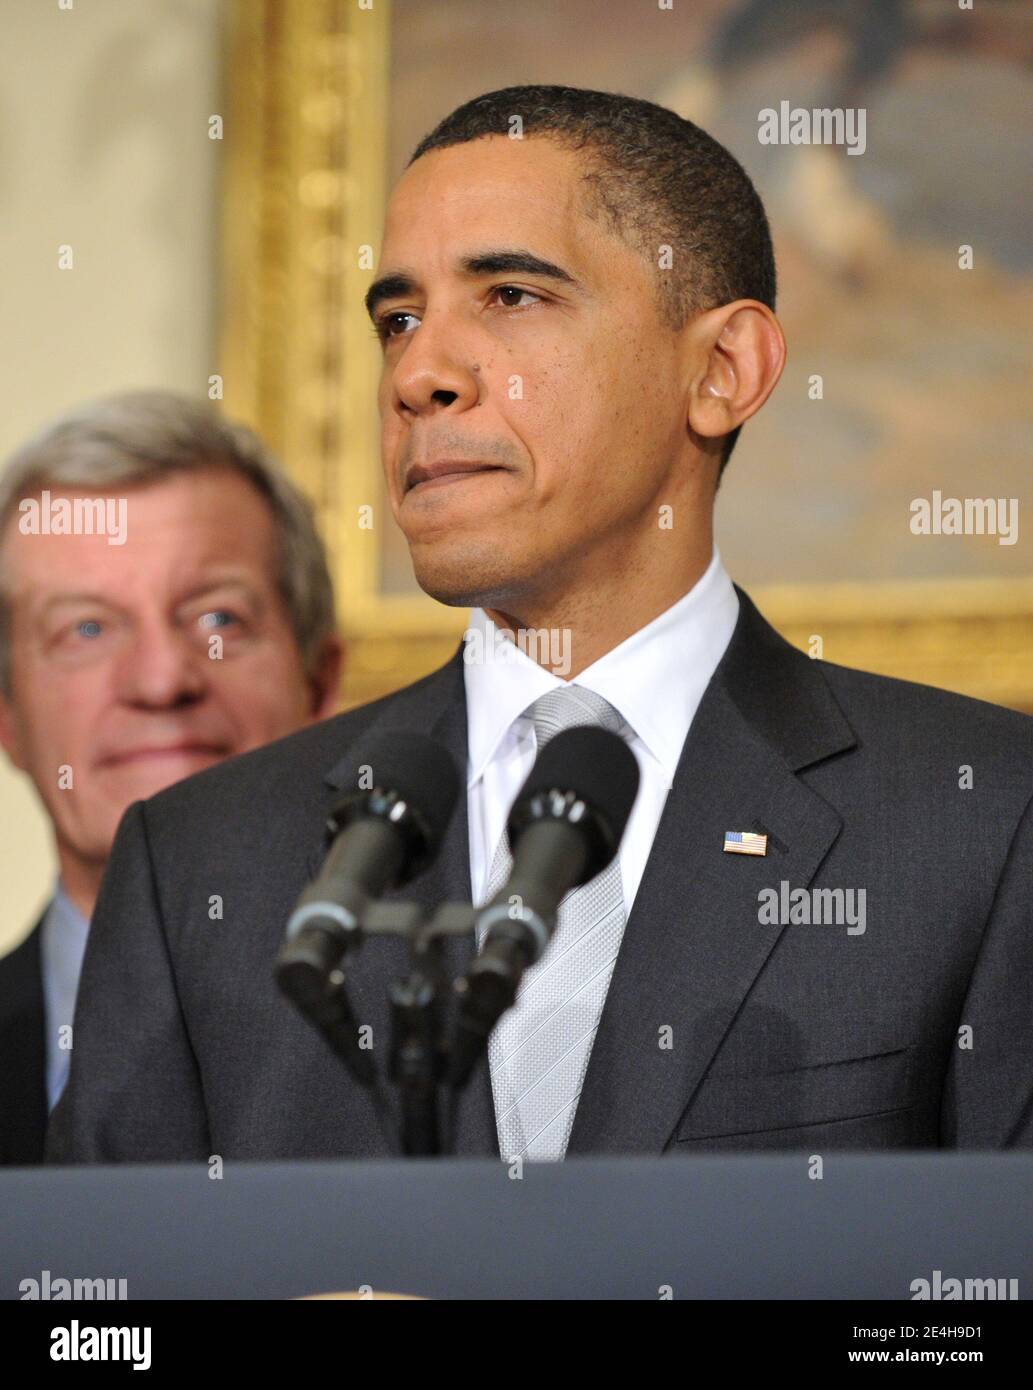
151,753
427,475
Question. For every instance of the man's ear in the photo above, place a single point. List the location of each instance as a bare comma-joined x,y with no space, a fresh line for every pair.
9,740
739,351
325,681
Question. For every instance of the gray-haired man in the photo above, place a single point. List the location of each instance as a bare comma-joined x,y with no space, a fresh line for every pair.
165,603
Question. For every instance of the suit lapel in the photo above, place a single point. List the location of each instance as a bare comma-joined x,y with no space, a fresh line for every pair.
693,945
436,707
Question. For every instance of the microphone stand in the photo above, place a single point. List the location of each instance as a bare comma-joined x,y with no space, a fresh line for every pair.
428,1049
421,1037
419,1051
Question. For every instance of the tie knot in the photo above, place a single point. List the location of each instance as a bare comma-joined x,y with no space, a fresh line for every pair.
569,706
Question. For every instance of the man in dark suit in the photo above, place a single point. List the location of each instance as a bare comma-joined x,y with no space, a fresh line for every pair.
133,654
575,301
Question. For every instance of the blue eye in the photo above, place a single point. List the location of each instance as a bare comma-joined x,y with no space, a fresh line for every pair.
89,627
218,617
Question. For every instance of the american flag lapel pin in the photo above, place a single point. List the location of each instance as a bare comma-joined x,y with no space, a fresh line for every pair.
745,842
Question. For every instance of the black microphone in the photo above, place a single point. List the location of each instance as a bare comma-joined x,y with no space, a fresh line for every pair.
379,838
565,827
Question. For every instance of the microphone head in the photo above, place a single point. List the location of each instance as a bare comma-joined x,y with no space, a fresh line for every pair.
596,777
408,780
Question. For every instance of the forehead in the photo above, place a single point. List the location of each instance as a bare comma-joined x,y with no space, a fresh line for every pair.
494,190
176,530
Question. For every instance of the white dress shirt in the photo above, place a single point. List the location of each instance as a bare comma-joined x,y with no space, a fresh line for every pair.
655,679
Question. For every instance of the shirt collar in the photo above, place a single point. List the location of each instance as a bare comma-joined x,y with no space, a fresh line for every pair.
655,678
501,682
66,913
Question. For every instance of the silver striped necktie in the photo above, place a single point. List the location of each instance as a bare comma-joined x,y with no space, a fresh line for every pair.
538,1052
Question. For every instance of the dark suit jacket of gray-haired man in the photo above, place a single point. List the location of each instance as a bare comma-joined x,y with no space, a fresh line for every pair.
23,1076
785,1036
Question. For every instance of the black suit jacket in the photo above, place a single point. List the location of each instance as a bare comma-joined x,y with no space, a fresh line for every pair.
23,1054
720,1030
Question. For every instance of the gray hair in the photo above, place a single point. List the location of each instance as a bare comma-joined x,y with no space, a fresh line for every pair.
142,437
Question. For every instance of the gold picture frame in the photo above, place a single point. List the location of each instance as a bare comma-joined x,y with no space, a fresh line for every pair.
303,193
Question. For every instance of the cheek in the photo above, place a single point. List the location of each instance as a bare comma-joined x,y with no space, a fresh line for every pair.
598,418
62,719
572,427
390,423
390,445
580,391
549,407
62,735
262,698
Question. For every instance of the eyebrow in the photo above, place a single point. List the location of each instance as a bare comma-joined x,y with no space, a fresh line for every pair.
216,584
85,597
199,591
503,261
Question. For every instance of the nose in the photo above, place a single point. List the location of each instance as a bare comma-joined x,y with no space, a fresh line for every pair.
435,371
161,668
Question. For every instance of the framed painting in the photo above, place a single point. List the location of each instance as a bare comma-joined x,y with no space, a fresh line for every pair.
315,128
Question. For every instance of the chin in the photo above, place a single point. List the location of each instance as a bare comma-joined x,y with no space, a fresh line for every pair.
465,577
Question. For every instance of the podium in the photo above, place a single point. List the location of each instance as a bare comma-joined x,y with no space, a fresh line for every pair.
730,1227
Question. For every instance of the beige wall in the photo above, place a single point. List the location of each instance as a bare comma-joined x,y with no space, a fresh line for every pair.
104,147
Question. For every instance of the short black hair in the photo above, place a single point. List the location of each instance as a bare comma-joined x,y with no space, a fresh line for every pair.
657,178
